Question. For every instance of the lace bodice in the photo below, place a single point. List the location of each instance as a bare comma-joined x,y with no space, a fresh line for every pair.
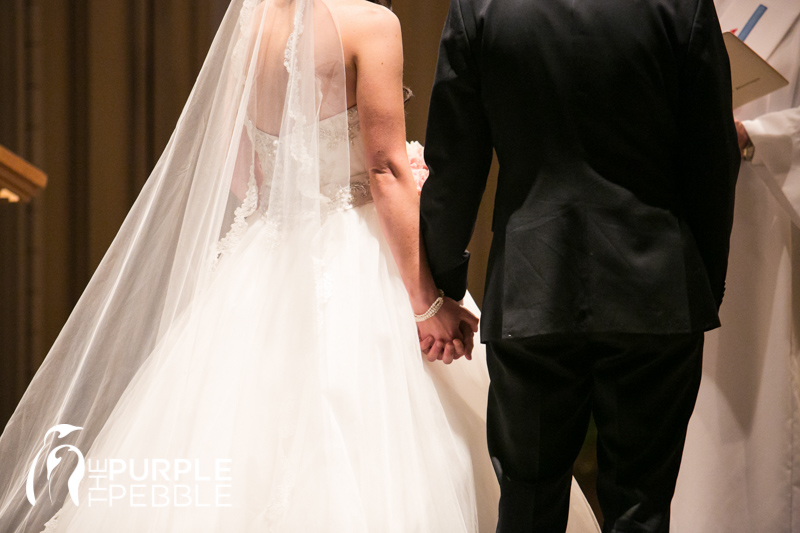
334,197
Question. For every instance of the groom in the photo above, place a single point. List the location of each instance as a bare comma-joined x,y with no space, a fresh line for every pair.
618,156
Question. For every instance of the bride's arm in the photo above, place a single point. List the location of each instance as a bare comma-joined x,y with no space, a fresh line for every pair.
379,64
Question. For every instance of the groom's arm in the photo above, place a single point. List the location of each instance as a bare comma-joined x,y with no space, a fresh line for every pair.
458,152
709,151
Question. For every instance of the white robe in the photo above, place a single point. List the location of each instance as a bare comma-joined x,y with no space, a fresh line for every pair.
741,465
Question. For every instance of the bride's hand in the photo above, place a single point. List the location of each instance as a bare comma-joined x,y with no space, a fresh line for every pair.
448,334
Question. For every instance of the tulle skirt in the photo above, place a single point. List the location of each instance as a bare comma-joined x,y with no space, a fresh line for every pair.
254,415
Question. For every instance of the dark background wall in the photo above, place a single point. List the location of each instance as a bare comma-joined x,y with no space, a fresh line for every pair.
90,91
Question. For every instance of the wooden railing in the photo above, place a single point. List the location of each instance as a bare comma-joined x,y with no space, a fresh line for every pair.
19,180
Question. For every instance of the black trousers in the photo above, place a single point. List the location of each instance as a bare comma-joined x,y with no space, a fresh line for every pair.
641,390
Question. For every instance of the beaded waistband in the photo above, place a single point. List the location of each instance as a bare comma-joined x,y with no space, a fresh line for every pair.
355,195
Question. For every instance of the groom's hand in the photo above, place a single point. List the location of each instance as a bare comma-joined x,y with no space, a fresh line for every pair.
469,338
449,334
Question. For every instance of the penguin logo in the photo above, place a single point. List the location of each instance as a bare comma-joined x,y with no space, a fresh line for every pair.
53,461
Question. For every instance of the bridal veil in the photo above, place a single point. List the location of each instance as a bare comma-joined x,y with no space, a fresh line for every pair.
276,66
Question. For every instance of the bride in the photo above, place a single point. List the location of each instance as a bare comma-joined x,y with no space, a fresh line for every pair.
245,358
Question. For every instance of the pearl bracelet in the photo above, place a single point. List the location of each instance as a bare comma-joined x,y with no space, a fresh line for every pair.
433,309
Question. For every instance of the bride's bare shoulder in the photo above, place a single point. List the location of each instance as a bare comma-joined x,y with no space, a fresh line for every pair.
360,19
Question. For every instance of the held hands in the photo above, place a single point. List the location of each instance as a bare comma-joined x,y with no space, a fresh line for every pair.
449,334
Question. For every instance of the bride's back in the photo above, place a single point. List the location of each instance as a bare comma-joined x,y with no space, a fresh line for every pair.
356,21
336,38
357,59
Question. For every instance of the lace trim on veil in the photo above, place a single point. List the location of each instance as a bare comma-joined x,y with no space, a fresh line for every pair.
250,203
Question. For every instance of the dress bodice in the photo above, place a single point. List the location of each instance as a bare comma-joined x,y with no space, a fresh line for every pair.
331,137
334,195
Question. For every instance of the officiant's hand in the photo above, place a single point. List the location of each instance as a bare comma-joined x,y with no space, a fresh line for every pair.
742,136
448,335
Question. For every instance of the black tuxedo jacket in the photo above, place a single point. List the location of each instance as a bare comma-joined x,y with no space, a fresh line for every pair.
612,124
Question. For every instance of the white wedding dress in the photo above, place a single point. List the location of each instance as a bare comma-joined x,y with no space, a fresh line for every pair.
361,435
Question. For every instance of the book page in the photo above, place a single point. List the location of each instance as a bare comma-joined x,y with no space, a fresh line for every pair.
751,76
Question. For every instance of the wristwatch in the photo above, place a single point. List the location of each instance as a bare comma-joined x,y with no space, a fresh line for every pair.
748,151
